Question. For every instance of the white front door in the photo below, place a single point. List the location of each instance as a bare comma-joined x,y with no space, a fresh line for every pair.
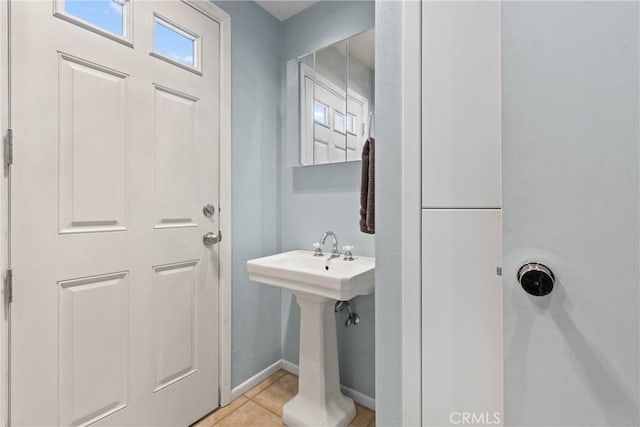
115,113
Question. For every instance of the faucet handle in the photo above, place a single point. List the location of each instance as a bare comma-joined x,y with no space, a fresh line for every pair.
317,249
348,254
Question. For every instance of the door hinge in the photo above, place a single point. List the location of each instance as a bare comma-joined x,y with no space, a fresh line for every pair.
8,148
8,286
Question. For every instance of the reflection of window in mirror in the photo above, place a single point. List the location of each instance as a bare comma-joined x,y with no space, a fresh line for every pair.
338,122
321,113
351,124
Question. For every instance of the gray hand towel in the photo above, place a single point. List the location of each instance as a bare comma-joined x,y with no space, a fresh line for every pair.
368,188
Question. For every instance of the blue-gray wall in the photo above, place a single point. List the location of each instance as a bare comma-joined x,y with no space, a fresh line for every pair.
571,126
326,197
278,207
255,134
389,138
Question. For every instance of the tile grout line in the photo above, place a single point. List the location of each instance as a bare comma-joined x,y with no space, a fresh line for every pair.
262,406
265,389
251,399
232,412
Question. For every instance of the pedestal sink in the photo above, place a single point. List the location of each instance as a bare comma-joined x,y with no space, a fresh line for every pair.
317,284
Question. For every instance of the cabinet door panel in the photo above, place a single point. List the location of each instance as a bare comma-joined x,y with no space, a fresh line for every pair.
461,316
461,106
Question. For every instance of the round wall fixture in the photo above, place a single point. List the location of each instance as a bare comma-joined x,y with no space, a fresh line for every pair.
536,279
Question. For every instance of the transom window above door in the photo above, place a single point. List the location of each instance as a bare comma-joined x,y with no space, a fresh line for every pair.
175,44
110,18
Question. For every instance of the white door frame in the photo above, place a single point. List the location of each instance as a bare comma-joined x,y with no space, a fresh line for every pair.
411,33
4,215
224,298
225,281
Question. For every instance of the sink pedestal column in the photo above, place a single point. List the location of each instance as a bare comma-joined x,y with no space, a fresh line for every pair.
319,400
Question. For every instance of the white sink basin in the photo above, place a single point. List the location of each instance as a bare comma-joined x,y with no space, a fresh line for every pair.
300,271
317,283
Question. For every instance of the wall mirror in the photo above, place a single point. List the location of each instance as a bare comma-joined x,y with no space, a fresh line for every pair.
330,110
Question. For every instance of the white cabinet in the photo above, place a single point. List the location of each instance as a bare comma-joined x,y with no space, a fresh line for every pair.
461,306
461,316
461,105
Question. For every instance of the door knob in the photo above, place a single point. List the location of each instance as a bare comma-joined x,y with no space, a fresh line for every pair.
536,279
211,238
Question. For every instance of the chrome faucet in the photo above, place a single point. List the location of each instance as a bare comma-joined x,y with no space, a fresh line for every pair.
335,253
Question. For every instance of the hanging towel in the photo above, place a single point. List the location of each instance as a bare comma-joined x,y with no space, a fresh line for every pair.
368,188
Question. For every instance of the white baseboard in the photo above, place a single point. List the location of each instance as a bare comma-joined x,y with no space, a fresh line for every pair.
290,367
358,397
241,389
361,398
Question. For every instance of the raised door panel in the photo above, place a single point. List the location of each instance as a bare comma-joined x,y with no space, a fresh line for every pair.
93,345
461,316
330,137
176,151
92,140
175,322
339,151
461,105
320,152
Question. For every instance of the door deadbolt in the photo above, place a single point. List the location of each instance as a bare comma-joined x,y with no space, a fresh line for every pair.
208,210
211,238
536,279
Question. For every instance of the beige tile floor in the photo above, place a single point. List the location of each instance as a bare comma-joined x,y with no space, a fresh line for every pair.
262,406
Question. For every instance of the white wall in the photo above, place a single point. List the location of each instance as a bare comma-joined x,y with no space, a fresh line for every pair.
389,213
570,134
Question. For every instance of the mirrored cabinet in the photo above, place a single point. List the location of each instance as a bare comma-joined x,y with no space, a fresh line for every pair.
330,107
